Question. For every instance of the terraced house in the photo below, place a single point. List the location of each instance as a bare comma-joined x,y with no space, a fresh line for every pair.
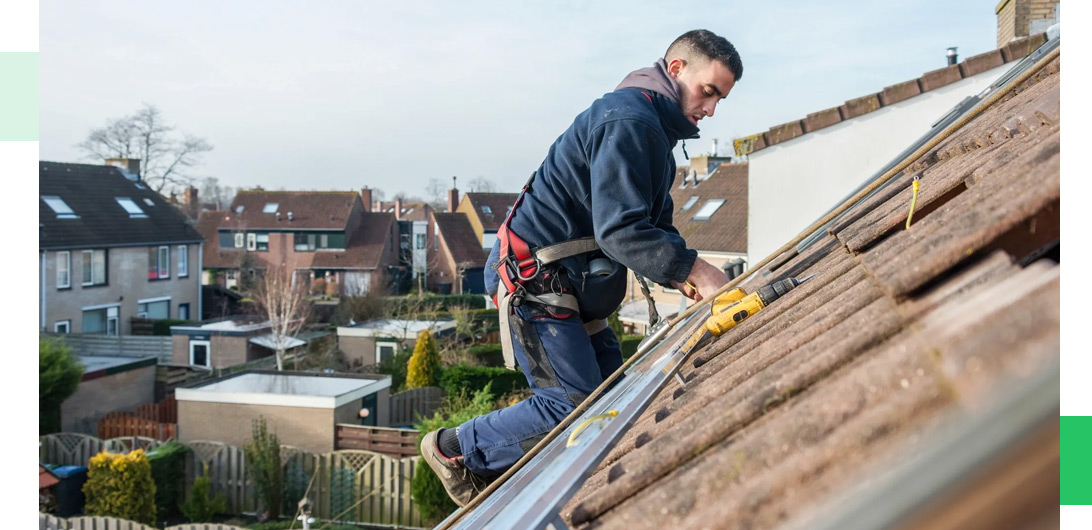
328,235
110,250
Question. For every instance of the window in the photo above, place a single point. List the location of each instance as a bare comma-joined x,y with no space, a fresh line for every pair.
94,267
384,351
131,207
488,239
309,241
155,309
422,241
261,242
252,241
689,204
62,326
238,240
239,209
148,202
708,209
487,210
159,263
59,207
64,269
436,242
270,207
183,261
324,241
199,353
102,320
184,311
305,242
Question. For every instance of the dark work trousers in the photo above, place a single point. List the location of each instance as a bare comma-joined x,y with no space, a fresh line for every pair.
563,365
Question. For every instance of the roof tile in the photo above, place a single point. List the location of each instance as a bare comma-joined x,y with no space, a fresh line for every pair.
976,64
1018,49
458,235
862,105
821,119
900,92
784,132
940,77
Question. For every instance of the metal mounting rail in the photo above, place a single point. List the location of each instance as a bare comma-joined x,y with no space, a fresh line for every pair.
532,497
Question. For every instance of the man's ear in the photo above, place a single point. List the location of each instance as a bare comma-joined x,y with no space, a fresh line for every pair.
675,67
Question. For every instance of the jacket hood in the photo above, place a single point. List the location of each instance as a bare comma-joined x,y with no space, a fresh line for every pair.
666,95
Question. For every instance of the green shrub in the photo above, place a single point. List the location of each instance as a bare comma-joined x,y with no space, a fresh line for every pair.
162,326
400,306
487,354
462,378
397,367
59,375
428,492
425,362
167,463
202,506
263,464
121,486
629,344
286,525
615,323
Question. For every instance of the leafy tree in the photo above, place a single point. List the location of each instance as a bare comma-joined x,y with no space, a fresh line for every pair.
202,505
165,153
263,459
425,362
59,375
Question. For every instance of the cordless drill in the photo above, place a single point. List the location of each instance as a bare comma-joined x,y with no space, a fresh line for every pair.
735,306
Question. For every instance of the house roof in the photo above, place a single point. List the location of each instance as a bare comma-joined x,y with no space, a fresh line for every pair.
901,336
411,211
91,193
726,229
496,203
459,237
976,64
311,210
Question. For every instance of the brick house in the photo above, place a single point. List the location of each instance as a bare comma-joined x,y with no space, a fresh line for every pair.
111,249
456,254
331,235
486,212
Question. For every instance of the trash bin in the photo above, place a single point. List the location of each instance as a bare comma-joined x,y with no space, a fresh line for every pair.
69,490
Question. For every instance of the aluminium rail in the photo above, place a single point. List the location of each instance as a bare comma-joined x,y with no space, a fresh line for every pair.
532,497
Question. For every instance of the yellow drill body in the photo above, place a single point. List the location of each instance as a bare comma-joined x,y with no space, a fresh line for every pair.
735,306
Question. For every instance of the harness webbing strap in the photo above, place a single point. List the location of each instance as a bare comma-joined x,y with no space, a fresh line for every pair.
565,249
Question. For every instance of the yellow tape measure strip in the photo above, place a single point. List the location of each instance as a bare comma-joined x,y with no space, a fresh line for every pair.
913,202
584,424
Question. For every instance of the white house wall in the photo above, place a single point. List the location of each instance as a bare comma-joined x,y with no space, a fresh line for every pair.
792,184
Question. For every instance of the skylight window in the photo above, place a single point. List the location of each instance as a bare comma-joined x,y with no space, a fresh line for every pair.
708,209
239,209
487,210
148,202
689,204
131,207
59,207
270,207
140,186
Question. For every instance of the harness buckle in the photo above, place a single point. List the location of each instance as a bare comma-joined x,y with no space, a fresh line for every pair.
519,271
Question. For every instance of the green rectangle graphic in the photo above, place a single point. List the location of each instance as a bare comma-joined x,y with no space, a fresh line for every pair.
1076,465
19,96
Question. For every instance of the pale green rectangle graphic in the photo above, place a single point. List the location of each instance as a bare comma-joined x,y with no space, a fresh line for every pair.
18,96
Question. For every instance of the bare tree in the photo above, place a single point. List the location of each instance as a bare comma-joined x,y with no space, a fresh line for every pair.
436,191
284,303
212,191
481,185
165,153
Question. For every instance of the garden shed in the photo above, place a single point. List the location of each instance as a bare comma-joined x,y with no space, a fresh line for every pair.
225,342
373,341
109,383
302,408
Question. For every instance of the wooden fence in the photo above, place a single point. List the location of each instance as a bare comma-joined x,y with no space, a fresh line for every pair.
397,443
408,404
154,420
122,345
347,485
51,522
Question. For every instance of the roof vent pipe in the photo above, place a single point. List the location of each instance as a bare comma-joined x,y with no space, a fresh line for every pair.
714,153
278,216
952,56
289,216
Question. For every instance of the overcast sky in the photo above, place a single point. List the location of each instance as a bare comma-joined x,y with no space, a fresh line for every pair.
350,94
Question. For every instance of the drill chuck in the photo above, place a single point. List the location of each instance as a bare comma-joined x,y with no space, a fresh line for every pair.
777,289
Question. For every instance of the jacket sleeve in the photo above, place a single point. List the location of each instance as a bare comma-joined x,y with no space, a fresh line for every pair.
627,160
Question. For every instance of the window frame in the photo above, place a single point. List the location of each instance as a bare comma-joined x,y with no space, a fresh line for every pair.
67,326
57,204
259,244
716,205
68,269
422,241
159,268
135,211
208,352
240,240
186,306
90,270
381,343
251,241
183,261
689,203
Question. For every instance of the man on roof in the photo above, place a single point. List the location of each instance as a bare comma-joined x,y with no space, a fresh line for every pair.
598,205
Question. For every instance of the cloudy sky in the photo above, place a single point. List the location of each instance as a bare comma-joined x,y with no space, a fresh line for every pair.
367,93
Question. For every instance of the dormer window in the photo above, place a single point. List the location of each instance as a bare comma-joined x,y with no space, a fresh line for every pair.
689,204
270,207
131,207
59,207
708,209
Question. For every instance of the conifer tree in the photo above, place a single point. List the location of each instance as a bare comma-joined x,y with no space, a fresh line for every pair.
424,365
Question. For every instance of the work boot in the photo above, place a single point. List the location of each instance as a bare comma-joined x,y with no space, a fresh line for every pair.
461,484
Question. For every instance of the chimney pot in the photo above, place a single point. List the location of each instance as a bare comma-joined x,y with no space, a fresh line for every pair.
366,198
278,216
289,216
953,58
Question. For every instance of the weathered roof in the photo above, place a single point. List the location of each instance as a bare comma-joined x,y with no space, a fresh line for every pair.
91,192
1014,51
311,210
726,229
901,336
497,204
459,238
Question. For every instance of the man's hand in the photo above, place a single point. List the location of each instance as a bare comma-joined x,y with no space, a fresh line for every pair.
704,280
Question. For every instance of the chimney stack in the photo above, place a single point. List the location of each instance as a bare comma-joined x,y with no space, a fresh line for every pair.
714,153
398,208
366,198
191,196
452,197
953,58
132,165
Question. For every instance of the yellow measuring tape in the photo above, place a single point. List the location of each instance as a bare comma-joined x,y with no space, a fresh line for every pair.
584,424
913,202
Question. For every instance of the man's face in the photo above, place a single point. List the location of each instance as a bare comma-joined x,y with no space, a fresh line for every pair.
703,84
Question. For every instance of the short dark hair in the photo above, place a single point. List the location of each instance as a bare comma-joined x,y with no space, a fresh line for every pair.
711,46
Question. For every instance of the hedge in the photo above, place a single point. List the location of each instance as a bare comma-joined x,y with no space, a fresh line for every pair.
400,305
461,377
162,327
167,461
487,354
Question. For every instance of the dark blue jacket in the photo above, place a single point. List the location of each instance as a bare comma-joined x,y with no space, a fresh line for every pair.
610,176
